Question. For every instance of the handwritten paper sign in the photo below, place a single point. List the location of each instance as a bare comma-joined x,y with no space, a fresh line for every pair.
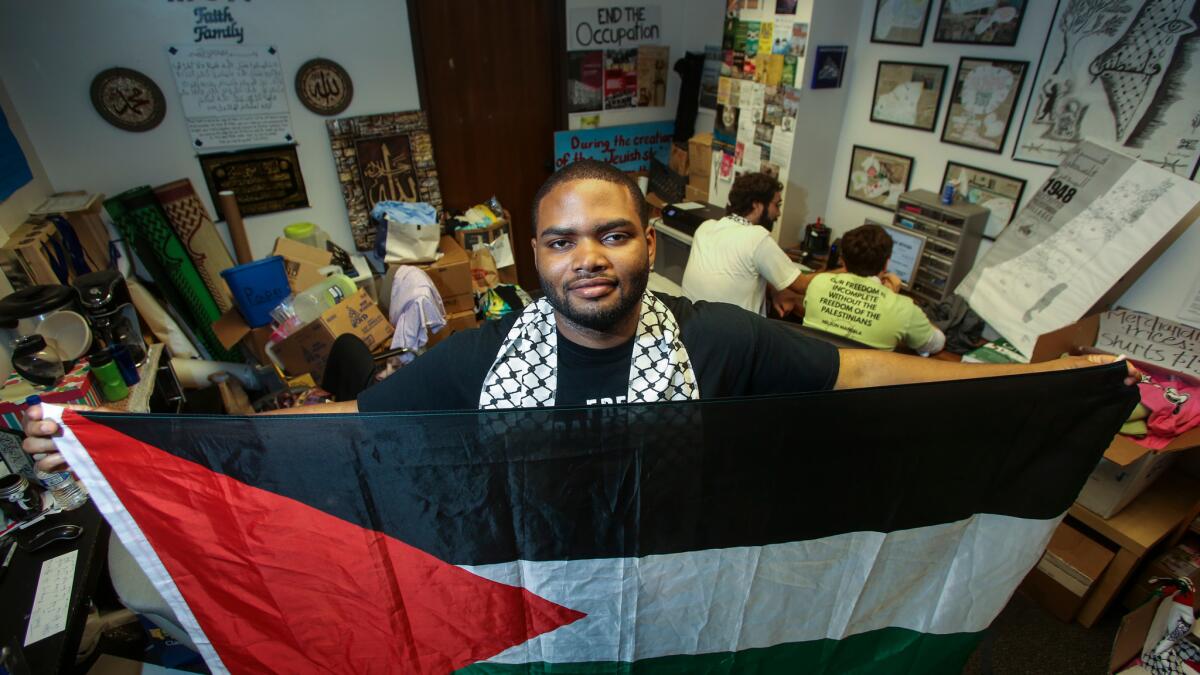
628,147
1148,338
232,95
614,26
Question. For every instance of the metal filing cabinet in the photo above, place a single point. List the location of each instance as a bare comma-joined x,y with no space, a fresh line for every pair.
952,235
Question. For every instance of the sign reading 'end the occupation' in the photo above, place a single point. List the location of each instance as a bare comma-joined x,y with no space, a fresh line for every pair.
614,26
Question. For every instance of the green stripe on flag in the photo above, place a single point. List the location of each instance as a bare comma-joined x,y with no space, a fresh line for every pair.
884,651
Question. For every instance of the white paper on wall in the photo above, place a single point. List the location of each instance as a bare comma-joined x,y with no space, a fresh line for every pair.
232,95
1092,220
1151,339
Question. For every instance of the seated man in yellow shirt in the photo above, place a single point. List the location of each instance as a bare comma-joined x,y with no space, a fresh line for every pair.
862,303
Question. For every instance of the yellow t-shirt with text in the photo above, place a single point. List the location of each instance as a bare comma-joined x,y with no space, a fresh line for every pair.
864,310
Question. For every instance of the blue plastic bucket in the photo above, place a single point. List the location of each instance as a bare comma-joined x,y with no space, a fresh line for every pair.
257,288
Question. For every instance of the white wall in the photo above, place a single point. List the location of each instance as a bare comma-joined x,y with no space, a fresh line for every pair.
50,52
1160,290
687,25
821,118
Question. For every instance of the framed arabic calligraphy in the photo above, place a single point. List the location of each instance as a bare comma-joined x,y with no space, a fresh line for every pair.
324,87
386,157
264,180
128,99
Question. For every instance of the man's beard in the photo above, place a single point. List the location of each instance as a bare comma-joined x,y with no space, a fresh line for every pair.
595,318
766,221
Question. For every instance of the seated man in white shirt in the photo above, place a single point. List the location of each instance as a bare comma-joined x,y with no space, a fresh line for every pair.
862,303
734,258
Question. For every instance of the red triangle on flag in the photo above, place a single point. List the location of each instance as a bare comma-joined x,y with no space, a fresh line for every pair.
278,585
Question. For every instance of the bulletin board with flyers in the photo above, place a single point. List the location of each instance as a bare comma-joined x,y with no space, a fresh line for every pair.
763,49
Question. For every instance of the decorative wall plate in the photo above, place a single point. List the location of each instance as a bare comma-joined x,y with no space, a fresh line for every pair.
324,87
128,99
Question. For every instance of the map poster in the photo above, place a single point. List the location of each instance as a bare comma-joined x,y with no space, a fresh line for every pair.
1095,218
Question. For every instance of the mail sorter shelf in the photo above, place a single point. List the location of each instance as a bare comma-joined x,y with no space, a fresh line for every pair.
952,234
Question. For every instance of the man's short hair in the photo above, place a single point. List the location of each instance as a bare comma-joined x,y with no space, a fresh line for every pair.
750,188
866,250
590,169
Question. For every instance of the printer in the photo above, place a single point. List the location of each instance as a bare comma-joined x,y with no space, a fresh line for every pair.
687,216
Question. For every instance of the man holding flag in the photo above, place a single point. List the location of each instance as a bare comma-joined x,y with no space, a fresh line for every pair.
673,536
599,337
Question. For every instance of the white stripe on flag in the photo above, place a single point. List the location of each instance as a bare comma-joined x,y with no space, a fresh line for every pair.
952,578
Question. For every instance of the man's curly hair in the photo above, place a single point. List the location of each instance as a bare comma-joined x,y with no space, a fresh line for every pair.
751,188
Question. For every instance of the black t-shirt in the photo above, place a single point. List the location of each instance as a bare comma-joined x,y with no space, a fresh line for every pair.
733,352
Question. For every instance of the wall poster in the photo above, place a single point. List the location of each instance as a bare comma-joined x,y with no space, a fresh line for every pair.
900,22
980,22
878,177
382,157
981,107
1123,73
908,94
996,192
232,95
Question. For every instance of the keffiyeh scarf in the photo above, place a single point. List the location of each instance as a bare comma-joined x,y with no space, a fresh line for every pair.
525,372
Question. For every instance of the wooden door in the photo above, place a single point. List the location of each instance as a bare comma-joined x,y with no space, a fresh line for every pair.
491,75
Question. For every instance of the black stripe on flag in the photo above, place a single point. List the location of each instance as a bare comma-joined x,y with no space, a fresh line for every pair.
478,488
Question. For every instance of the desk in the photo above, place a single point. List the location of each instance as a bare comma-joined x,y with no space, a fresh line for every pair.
1156,514
57,652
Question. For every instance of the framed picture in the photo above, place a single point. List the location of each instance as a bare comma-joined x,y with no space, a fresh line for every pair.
981,107
900,22
263,180
830,66
981,22
995,192
382,157
878,177
908,94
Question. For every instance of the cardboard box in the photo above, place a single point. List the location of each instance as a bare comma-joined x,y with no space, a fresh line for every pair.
455,304
454,323
700,154
467,239
1112,486
1067,571
307,350
25,253
697,195
698,182
82,210
679,159
451,274
302,262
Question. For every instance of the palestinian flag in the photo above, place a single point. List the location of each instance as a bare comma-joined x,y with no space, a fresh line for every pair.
876,530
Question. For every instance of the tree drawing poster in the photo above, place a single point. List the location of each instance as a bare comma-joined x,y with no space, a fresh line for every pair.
1122,72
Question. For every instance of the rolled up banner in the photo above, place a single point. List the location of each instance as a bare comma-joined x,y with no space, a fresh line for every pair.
191,223
154,238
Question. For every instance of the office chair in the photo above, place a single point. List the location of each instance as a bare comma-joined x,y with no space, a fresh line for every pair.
351,367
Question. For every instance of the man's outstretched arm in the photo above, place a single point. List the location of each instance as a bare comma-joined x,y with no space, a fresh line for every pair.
872,368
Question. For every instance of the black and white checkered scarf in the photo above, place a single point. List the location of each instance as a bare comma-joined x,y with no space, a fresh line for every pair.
525,372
